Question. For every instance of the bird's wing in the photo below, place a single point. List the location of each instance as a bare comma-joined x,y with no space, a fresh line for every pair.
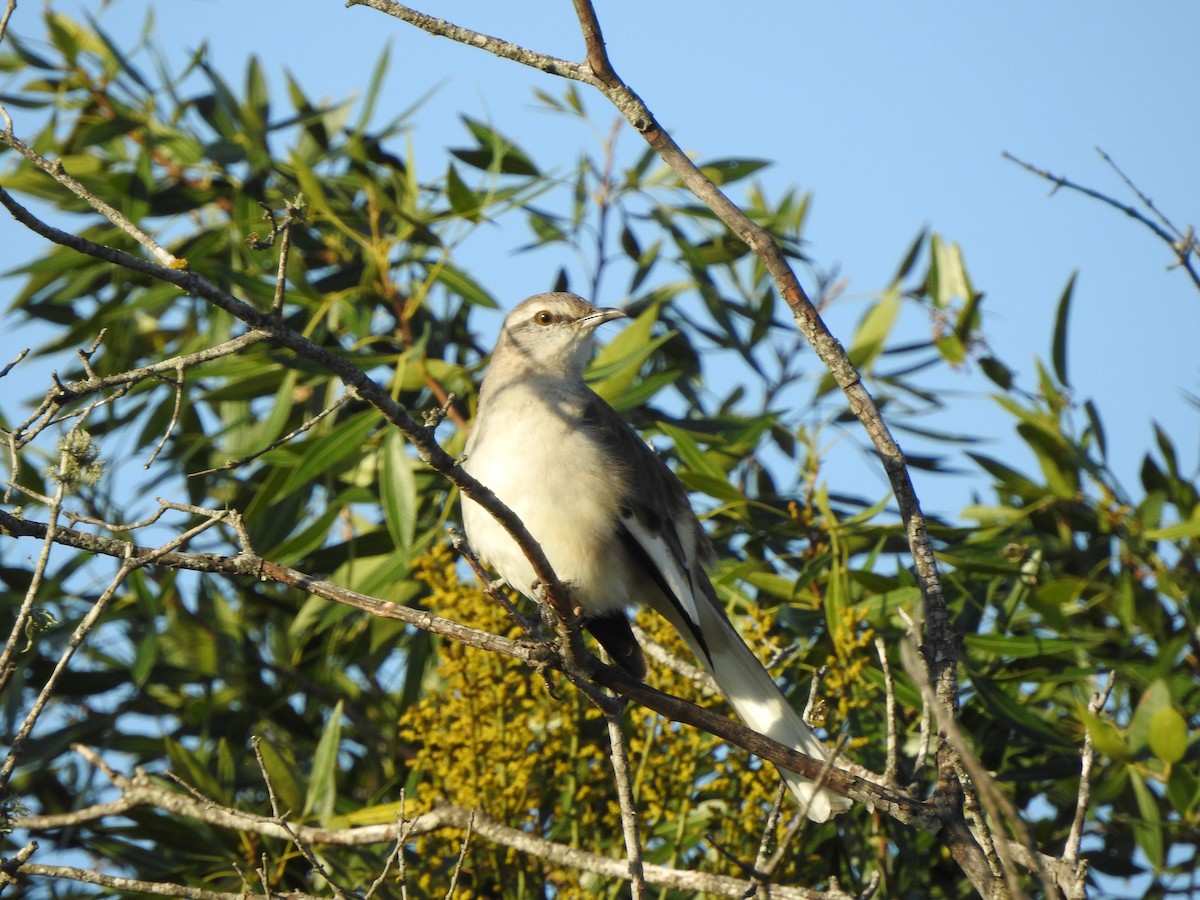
658,526
662,533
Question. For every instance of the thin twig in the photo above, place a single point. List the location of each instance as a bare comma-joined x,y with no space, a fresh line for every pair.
291,435
814,702
997,806
664,657
280,816
762,860
1184,245
490,587
9,9
35,585
1137,191
61,394
162,441
56,170
395,858
462,855
889,688
1087,760
619,754
17,359
85,626
140,886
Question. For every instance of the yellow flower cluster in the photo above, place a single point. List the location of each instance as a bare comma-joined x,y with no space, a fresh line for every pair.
533,753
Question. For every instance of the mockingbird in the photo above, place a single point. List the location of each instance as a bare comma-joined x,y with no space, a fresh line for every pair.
613,520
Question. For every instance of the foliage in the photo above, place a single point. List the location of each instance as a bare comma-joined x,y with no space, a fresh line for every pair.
1059,578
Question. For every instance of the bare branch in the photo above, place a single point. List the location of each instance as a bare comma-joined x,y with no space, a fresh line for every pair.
9,9
504,49
941,645
55,169
61,394
279,816
135,885
997,806
1183,244
140,790
462,855
669,660
291,435
86,624
35,585
619,755
17,359
162,441
889,688
1070,856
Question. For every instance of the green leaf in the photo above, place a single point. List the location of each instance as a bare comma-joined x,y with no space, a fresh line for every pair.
1156,698
910,258
691,454
1106,737
398,492
283,775
322,781
617,365
1059,352
1183,789
1147,830
319,455
1179,531
1168,735
497,153
947,279
463,285
462,199
726,171
1022,646
1015,714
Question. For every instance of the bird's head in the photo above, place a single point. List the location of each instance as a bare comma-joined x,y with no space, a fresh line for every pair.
552,333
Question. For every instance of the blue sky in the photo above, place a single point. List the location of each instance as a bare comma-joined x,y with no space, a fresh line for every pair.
894,116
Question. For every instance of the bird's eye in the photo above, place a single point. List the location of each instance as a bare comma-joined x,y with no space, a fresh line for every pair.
544,317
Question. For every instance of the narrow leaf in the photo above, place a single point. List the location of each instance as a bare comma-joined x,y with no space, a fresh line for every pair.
1059,351
398,492
322,782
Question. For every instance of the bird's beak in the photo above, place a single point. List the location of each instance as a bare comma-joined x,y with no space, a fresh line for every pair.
598,317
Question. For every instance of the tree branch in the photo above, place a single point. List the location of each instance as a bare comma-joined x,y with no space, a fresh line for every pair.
141,791
890,801
1183,244
941,646
422,438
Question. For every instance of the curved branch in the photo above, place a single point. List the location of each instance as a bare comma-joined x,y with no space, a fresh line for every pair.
1183,244
421,437
141,791
890,801
941,646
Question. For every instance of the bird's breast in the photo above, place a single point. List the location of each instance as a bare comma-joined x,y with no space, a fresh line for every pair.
555,478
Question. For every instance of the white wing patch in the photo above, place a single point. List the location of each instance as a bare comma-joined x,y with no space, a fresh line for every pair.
673,570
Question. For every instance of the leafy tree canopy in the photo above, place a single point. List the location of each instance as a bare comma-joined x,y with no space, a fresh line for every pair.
252,692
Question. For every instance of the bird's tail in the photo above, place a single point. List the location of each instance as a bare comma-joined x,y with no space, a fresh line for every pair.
759,702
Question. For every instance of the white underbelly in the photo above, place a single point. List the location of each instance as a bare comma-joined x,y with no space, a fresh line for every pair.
569,509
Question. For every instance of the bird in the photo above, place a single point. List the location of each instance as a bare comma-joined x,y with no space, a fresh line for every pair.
613,520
